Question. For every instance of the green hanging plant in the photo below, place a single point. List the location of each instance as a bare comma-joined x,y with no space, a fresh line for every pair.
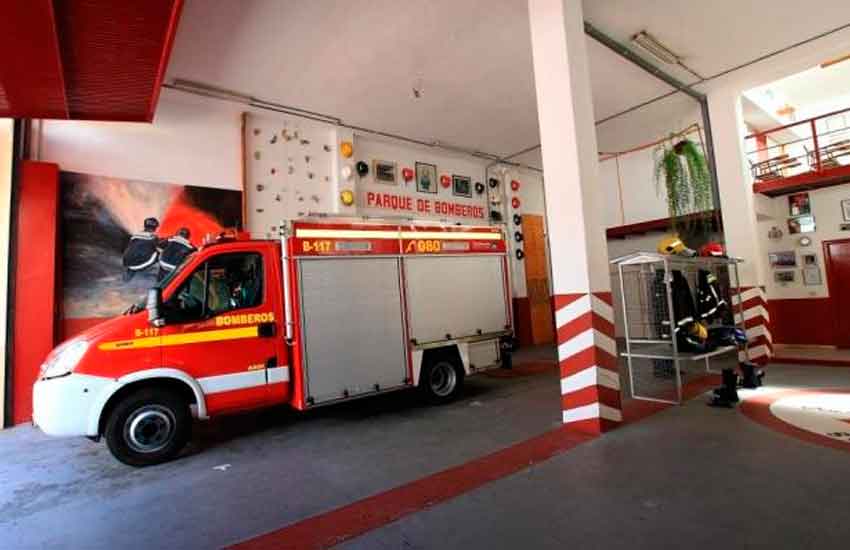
683,172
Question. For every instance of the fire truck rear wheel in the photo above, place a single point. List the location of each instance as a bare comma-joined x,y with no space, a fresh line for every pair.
442,379
148,427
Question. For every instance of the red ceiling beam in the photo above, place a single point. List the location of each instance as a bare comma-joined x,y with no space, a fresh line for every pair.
31,75
85,59
115,55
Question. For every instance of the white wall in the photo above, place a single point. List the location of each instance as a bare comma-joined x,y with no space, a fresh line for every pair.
826,208
193,141
6,148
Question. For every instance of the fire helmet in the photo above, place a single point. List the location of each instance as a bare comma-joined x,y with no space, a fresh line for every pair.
712,249
672,244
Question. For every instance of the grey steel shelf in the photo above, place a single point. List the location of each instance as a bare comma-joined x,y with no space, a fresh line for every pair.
648,310
665,351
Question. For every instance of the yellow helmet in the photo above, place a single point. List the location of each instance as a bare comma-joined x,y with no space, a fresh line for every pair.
698,331
672,244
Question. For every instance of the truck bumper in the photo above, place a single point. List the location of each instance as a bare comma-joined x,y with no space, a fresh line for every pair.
64,406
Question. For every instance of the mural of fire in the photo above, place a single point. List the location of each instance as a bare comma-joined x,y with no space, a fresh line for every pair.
100,214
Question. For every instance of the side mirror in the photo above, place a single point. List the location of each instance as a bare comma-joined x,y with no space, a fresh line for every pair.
154,307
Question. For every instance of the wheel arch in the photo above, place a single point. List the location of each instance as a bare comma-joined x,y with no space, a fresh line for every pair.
175,378
454,350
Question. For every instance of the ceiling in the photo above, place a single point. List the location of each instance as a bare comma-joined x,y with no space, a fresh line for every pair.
360,59
84,59
814,87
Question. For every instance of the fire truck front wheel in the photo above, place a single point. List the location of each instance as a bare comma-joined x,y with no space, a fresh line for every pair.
147,427
442,378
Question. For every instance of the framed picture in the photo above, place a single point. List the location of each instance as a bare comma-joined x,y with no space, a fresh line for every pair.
783,259
812,276
845,209
801,224
461,186
426,177
783,276
384,171
799,204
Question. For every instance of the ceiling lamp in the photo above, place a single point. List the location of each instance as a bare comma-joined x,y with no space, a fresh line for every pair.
659,51
656,48
835,61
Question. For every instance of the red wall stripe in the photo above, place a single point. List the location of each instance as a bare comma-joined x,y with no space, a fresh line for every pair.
590,395
587,358
806,321
35,280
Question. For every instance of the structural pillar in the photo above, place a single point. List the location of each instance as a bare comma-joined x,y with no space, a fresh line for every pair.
581,285
740,226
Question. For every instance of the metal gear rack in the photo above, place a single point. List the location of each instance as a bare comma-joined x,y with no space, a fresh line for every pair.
656,364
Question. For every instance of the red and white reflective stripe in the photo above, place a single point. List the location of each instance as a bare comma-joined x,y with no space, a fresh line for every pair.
243,380
587,352
756,320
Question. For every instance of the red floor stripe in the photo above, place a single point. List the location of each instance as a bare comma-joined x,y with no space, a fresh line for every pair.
352,520
805,361
333,527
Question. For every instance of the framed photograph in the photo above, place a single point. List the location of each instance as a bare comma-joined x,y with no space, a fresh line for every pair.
845,209
801,224
799,204
812,276
384,171
786,258
810,259
461,186
783,276
426,177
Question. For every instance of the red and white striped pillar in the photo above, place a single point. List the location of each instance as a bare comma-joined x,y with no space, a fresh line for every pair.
581,287
756,321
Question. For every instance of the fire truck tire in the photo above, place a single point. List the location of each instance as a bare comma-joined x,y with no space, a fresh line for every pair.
441,380
149,426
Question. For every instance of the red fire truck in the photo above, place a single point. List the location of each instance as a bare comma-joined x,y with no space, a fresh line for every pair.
332,311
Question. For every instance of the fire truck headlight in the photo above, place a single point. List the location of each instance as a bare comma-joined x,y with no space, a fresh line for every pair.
64,360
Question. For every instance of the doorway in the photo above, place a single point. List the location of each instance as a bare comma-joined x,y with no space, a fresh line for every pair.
537,280
837,259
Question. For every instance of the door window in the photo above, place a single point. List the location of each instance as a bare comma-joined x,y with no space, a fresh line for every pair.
223,283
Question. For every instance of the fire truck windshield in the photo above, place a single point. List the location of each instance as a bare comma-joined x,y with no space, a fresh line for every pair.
174,272
162,283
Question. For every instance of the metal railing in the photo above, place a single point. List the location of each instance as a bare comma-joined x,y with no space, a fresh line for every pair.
812,146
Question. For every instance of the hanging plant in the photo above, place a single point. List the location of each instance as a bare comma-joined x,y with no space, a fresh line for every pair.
683,172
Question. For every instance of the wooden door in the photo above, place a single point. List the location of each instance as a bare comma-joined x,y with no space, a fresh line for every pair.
837,254
537,280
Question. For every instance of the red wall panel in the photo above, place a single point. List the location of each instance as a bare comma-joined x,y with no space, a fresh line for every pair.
522,321
35,279
806,321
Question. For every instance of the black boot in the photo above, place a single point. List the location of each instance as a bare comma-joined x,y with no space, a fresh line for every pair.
727,394
751,376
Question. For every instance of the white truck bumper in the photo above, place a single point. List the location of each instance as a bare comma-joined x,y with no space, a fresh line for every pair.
64,406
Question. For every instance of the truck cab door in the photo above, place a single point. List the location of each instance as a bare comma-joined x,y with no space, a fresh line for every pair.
221,328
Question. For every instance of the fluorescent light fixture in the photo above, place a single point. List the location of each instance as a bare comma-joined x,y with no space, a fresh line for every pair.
835,61
658,50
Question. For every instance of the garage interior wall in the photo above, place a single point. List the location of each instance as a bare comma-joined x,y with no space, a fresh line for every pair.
6,150
197,141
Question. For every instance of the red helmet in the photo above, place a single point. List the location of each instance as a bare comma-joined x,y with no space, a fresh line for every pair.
712,249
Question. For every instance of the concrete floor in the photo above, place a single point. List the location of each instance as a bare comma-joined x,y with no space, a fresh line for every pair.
689,476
